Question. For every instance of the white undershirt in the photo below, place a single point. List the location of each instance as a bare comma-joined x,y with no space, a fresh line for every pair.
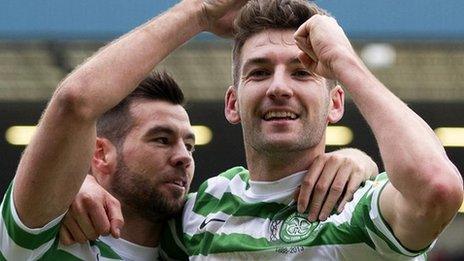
130,251
275,190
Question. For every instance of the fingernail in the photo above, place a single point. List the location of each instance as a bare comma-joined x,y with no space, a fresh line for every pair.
300,208
323,217
312,218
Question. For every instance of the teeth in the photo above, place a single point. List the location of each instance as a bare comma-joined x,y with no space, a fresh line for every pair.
279,114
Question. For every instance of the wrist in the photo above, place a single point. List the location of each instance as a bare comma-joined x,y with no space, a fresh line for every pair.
350,70
193,12
197,13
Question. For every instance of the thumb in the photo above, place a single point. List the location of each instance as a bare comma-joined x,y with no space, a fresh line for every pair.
307,61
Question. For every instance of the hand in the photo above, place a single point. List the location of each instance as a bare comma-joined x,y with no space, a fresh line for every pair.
326,49
334,178
218,15
94,212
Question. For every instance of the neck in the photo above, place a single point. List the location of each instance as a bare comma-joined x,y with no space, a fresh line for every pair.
139,230
271,166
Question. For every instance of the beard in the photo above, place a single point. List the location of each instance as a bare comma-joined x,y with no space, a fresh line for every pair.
309,136
141,196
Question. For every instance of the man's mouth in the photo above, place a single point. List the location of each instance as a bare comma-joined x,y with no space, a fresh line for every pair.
279,115
178,182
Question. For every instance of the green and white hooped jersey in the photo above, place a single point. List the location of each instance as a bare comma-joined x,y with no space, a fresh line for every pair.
19,242
233,218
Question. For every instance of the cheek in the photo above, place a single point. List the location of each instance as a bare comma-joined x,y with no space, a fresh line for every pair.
191,170
248,104
147,160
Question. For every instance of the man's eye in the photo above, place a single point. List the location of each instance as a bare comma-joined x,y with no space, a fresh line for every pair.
302,73
162,140
190,147
258,74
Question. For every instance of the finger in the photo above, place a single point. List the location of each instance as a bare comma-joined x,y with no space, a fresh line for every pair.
308,183
66,237
81,216
302,32
353,185
307,61
308,50
303,39
74,229
100,221
321,188
296,195
336,190
113,209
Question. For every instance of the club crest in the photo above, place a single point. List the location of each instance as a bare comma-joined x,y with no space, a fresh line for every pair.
296,228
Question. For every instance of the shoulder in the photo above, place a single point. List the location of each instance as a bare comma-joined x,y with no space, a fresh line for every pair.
234,172
382,177
222,182
20,242
222,188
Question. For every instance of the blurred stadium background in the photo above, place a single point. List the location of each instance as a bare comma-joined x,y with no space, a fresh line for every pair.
415,47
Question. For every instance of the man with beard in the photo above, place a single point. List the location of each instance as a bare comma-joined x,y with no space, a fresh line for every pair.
288,57
142,154
129,130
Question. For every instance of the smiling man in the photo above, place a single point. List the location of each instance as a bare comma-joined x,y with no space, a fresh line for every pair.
143,153
133,134
288,58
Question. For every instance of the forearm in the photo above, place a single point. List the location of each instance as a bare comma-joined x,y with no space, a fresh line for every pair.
56,161
413,157
117,68
426,188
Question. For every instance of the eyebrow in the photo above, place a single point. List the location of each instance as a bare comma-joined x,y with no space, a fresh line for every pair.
295,60
168,130
255,61
264,60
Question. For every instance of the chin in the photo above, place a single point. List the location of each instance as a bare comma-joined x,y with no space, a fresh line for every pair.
165,207
283,145
284,142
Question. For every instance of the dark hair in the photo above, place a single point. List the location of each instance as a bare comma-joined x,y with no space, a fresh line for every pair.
257,16
117,122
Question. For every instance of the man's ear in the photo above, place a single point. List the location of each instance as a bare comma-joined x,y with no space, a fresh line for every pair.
337,104
104,161
231,106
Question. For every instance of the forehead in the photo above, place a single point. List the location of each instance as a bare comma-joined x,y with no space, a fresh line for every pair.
146,113
270,43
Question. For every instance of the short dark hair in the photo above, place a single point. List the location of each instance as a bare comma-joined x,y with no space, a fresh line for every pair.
117,122
257,16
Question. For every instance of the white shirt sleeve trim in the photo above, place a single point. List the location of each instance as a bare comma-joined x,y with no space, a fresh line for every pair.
34,231
380,224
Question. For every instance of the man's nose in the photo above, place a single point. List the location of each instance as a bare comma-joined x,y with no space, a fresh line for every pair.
280,86
181,156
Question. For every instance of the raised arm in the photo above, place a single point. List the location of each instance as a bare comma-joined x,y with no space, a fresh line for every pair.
426,188
56,161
